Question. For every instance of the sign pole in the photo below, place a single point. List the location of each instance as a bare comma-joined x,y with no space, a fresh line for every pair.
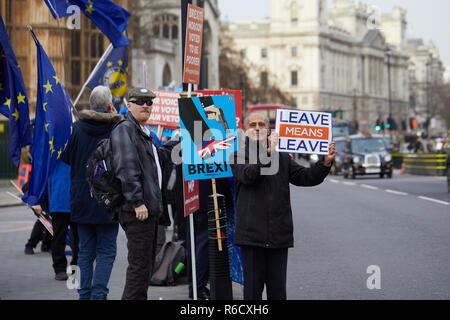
216,214
191,231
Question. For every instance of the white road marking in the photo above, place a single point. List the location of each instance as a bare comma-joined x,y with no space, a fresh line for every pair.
396,192
435,200
349,183
369,187
334,181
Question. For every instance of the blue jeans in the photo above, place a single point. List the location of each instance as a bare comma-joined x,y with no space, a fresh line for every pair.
97,242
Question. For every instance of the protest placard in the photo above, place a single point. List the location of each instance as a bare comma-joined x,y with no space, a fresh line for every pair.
165,110
208,136
300,131
193,46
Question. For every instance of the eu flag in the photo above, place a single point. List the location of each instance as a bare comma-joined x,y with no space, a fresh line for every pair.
113,74
52,128
108,16
13,98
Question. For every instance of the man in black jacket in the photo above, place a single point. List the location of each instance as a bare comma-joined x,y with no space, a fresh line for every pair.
264,227
138,165
97,232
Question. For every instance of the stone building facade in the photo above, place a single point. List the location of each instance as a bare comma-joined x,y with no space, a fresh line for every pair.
156,49
331,58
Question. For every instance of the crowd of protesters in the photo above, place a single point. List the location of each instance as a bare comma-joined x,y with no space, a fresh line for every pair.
264,228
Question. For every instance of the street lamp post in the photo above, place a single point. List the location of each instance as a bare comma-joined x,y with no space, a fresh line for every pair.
427,121
388,51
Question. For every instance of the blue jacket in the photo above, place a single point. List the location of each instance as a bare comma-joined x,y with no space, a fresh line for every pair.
59,188
87,132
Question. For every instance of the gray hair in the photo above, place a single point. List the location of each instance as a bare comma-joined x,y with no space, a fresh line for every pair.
100,98
264,115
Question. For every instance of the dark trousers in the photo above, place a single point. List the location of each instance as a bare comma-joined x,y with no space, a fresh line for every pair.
201,251
61,222
141,243
264,267
39,233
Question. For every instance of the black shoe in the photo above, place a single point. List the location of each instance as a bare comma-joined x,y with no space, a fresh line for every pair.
61,276
201,294
29,250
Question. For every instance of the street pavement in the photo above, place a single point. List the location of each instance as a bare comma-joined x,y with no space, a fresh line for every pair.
343,230
31,277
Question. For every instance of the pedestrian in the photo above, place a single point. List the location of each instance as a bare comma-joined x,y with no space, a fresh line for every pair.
39,232
59,207
138,165
97,232
264,227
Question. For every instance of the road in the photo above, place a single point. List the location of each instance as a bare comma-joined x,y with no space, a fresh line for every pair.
342,227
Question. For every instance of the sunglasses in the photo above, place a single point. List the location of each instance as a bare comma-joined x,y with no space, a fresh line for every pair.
142,102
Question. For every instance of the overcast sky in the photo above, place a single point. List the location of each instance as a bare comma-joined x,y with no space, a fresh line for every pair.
427,19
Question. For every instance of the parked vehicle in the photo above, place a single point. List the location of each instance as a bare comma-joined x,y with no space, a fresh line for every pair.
366,155
340,148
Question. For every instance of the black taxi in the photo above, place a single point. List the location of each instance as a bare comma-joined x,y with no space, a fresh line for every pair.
366,155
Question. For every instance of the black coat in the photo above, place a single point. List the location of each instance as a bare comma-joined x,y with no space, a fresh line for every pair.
263,202
87,132
135,166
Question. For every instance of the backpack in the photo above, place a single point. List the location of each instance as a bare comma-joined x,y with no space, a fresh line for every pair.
104,185
169,264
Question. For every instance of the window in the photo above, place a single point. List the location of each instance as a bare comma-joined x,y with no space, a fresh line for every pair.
76,73
75,44
165,31
263,79
165,26
174,32
294,12
166,75
264,52
294,102
243,53
293,78
294,51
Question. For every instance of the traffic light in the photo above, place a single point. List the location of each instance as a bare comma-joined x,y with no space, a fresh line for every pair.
388,123
378,125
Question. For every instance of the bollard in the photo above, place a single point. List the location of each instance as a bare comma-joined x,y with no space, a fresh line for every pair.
427,164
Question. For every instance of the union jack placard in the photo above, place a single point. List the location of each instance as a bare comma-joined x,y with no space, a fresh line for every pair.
208,136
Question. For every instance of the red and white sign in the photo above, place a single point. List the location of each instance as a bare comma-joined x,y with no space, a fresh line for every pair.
193,47
237,101
165,110
191,196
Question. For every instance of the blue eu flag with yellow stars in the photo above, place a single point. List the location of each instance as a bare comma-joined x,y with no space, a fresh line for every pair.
108,16
113,74
52,128
13,98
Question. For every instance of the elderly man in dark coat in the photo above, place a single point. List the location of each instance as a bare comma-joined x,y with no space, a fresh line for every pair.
97,232
264,227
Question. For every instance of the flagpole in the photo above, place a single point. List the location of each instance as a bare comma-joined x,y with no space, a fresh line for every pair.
99,63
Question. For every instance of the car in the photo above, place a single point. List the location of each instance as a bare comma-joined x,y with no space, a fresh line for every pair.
336,167
366,155
340,148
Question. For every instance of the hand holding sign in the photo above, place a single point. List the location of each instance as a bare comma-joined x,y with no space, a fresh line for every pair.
273,142
331,154
307,132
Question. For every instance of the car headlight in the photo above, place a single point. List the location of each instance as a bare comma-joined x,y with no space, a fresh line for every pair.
356,160
314,158
387,158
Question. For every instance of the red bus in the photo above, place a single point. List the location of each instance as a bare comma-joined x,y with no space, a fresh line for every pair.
270,110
